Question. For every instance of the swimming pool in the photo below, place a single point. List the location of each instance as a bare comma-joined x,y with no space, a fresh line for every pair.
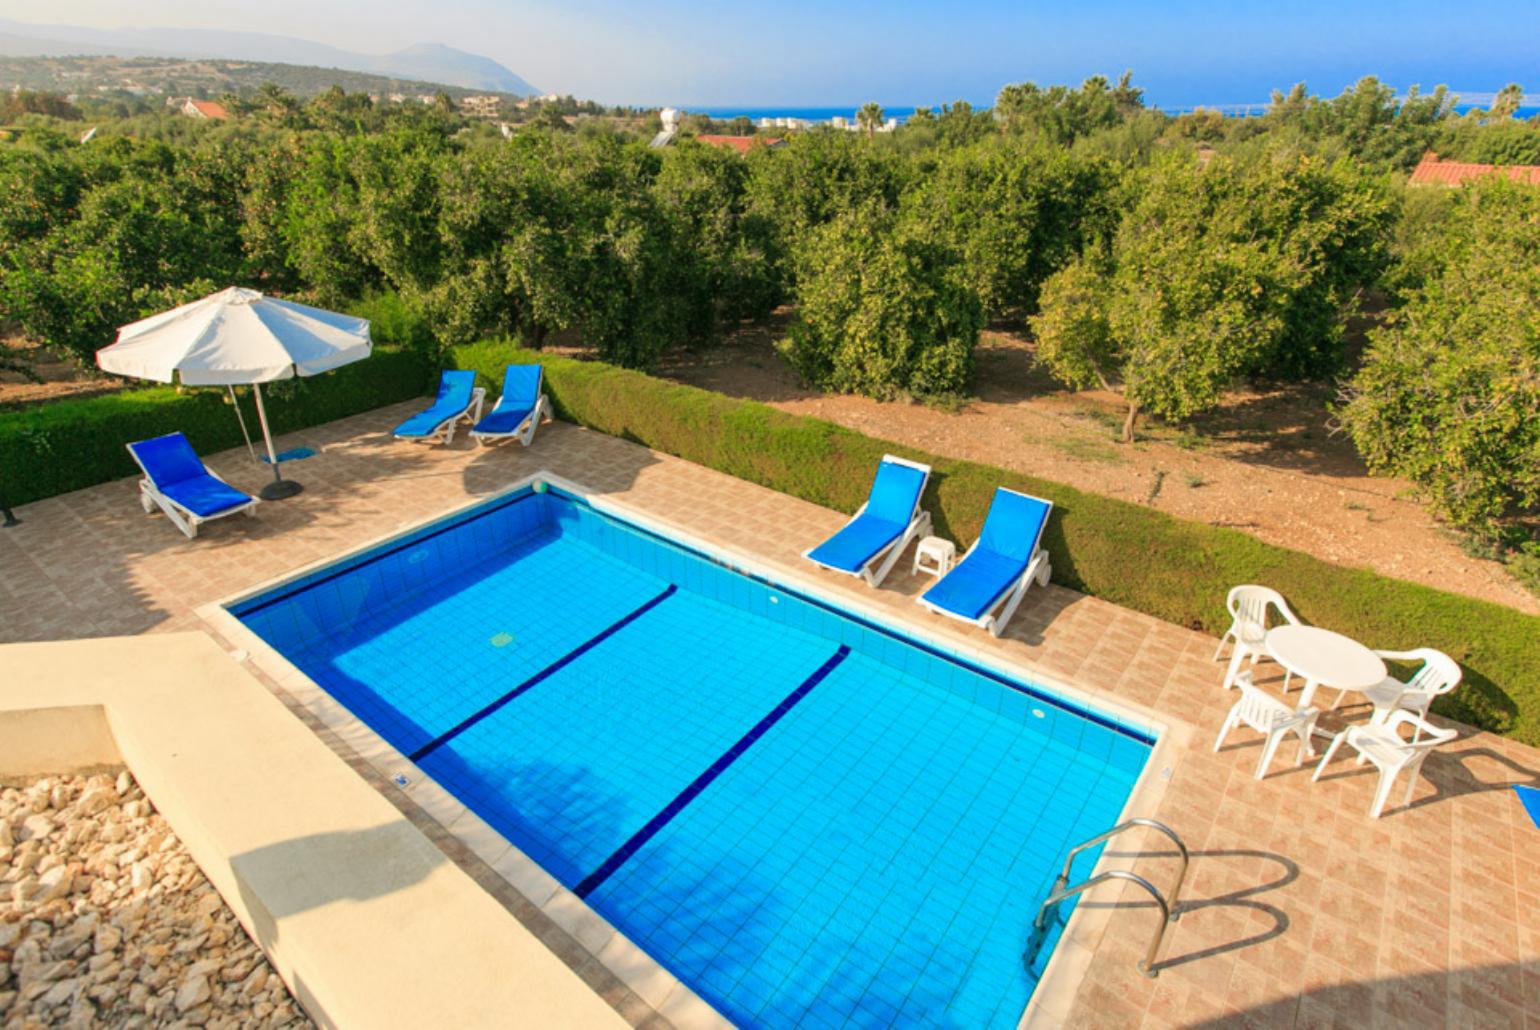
805,816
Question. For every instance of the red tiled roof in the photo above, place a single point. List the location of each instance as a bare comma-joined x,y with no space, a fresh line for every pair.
210,109
741,143
1433,172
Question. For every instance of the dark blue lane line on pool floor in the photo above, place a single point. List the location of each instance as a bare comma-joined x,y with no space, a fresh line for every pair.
545,673
593,880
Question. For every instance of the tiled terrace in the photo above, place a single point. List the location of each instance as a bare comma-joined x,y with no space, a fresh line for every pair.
1300,910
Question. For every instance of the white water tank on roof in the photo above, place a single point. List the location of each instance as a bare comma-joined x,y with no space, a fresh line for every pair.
670,117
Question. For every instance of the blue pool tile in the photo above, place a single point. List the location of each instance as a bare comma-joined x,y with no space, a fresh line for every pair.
874,858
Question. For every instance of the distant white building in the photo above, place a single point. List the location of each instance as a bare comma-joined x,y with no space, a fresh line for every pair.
481,107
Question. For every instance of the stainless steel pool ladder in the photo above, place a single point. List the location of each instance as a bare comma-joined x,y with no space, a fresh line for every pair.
1062,890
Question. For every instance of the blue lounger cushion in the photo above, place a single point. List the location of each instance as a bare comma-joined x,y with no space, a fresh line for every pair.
889,509
521,392
455,389
1011,532
1529,797
178,473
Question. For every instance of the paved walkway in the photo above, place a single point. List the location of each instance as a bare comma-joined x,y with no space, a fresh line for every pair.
1300,909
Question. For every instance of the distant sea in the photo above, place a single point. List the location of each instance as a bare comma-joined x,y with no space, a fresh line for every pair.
811,114
902,111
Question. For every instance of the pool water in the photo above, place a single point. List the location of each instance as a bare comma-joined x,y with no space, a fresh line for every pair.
804,816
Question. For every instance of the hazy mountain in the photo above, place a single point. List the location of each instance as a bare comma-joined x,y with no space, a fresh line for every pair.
431,62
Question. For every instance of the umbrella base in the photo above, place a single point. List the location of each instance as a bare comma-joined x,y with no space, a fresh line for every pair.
279,489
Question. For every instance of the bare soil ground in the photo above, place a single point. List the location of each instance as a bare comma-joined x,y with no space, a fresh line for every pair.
58,378
1266,463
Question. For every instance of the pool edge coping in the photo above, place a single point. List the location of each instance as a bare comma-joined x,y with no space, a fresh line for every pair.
1059,983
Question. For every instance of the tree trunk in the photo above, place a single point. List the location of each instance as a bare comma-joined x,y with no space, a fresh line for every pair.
1128,421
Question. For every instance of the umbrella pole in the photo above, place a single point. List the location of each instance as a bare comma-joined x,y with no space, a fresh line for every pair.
280,487
236,404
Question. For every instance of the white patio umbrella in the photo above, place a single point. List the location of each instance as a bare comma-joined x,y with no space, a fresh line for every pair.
239,337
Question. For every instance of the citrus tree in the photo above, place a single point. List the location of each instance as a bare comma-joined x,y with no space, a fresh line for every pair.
1448,395
879,310
1189,299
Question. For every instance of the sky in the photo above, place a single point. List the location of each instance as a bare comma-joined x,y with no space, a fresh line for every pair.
902,53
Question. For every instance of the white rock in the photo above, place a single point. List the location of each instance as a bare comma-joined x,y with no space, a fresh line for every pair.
107,939
254,983
125,782
56,883
95,800
60,992
22,891
204,967
35,826
82,1013
193,992
25,856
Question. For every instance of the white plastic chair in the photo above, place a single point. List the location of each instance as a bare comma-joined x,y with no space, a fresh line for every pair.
1382,744
1248,607
1438,674
1271,717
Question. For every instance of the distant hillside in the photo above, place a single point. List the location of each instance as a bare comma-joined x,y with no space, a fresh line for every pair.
95,76
430,62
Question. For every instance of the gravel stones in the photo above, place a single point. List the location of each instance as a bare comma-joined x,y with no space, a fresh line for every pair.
105,919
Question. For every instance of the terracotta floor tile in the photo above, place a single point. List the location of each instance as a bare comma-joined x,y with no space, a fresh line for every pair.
1308,912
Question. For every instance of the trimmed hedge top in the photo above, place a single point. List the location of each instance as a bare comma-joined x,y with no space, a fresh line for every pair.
71,444
1143,559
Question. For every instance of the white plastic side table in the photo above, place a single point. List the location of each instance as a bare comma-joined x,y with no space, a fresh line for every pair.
934,556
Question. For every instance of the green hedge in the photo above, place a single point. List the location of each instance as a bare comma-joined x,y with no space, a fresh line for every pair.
1130,555
54,448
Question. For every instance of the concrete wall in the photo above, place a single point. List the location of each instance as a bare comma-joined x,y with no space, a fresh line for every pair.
365,919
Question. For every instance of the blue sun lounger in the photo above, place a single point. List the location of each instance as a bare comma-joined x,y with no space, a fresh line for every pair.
998,568
520,409
458,397
870,543
178,483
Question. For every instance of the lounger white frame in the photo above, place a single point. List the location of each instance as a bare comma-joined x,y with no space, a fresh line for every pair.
181,516
525,433
919,525
1038,570
444,432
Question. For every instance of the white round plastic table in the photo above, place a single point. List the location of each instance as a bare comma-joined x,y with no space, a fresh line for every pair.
1324,659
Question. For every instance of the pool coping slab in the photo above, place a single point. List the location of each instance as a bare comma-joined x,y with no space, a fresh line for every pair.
365,917
1054,994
